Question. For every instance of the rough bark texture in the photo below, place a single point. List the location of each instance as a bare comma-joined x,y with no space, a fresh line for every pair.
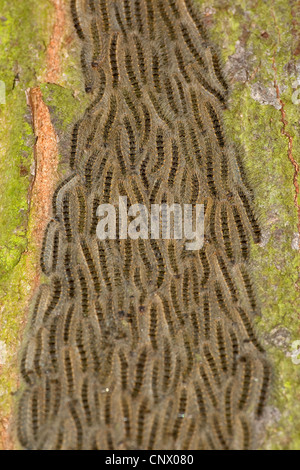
260,46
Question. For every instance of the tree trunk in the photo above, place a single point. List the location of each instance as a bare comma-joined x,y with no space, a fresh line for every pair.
40,66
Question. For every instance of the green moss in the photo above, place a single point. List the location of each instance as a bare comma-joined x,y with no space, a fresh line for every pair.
25,30
22,49
24,33
258,128
63,106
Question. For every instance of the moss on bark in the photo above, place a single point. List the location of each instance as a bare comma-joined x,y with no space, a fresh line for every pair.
258,41
25,30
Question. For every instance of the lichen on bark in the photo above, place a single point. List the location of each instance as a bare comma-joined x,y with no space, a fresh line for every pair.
259,42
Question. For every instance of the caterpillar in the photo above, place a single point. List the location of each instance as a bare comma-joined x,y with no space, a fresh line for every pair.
124,369
85,401
112,113
131,75
133,109
209,89
235,351
196,146
69,272
150,18
128,14
160,149
212,364
82,210
52,343
153,433
140,371
83,285
189,357
78,425
219,433
196,111
154,381
143,171
196,19
181,412
166,19
46,250
114,61
147,125
154,192
216,124
138,16
247,375
38,353
67,324
208,386
56,199
250,215
221,346
195,283
226,235
162,114
206,267
161,267
104,14
248,288
74,144
246,434
264,389
155,71
175,302
181,94
191,47
96,44
89,170
228,409
87,70
168,316
222,301
56,295
173,257
120,22
127,258
94,219
210,177
227,278
173,6
131,140
76,22
69,373
67,216
170,95
91,265
217,70
167,371
107,185
244,245
249,329
126,417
